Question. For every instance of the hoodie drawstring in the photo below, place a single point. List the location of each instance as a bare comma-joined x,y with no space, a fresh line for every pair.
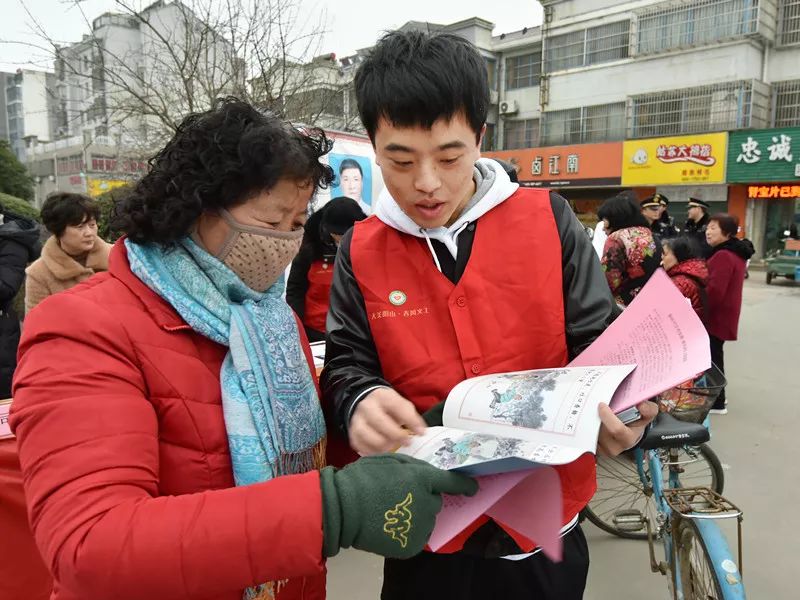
453,239
430,247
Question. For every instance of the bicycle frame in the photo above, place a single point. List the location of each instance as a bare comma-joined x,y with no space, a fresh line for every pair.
725,567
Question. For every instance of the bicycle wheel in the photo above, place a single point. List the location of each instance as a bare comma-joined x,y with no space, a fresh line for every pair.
619,486
698,579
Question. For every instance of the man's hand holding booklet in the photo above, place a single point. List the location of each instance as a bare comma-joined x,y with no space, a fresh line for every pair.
524,421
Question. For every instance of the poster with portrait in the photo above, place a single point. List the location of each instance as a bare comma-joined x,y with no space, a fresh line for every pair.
353,178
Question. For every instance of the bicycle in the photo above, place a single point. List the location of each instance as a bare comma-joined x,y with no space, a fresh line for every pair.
697,558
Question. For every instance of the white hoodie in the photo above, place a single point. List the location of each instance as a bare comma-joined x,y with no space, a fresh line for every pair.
493,187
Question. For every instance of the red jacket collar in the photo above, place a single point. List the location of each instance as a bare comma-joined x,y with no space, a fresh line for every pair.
120,268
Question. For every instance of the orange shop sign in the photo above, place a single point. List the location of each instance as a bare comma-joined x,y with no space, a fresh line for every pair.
773,191
580,165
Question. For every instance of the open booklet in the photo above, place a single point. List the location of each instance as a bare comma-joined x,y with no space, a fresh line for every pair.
512,421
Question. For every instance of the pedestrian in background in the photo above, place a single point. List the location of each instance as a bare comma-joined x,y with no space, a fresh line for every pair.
726,271
681,258
73,253
664,228
696,223
630,255
19,245
170,433
309,285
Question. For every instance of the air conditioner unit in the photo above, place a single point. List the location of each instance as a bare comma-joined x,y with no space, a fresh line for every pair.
508,107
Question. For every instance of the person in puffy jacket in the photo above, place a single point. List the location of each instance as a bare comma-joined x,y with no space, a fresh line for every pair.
19,245
309,285
170,434
681,258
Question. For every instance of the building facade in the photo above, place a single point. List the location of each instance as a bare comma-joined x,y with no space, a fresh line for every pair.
137,73
29,109
669,76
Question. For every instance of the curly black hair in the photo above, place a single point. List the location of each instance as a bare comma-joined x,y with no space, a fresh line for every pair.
218,159
62,209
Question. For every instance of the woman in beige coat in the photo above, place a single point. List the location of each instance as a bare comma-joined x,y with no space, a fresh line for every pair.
72,254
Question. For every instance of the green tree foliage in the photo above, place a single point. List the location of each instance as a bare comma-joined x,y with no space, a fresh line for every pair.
19,207
14,178
106,203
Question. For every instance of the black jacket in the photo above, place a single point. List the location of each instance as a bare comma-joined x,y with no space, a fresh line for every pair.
19,245
698,232
664,228
352,364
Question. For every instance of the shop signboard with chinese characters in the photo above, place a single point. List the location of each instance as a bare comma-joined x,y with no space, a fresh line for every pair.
773,191
581,165
764,155
682,160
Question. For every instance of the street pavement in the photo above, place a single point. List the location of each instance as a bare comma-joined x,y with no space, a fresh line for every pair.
757,442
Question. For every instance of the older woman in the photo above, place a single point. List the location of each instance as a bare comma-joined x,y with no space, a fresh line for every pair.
682,259
726,270
73,253
630,254
170,433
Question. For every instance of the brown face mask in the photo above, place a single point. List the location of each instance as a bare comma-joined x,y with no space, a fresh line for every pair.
256,254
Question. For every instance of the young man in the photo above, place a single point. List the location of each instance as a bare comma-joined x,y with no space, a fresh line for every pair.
697,222
651,210
664,226
459,273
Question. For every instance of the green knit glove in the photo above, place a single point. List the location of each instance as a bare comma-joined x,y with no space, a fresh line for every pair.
385,504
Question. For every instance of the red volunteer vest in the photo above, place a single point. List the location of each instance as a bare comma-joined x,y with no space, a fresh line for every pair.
320,277
506,313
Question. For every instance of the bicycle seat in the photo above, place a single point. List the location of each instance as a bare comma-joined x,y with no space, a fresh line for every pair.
668,432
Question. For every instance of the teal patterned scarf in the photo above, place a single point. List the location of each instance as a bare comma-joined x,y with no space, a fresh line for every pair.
272,414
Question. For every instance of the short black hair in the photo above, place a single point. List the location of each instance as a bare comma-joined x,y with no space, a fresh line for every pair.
622,211
728,224
413,79
683,247
217,159
62,209
349,163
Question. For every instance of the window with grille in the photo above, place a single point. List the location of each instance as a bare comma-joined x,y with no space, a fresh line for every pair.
608,42
604,123
561,127
524,71
588,46
707,108
521,133
565,51
600,123
679,25
789,22
787,103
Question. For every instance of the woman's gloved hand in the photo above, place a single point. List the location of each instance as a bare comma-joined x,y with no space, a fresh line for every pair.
385,504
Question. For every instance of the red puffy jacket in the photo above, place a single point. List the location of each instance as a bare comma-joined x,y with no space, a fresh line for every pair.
122,442
691,277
